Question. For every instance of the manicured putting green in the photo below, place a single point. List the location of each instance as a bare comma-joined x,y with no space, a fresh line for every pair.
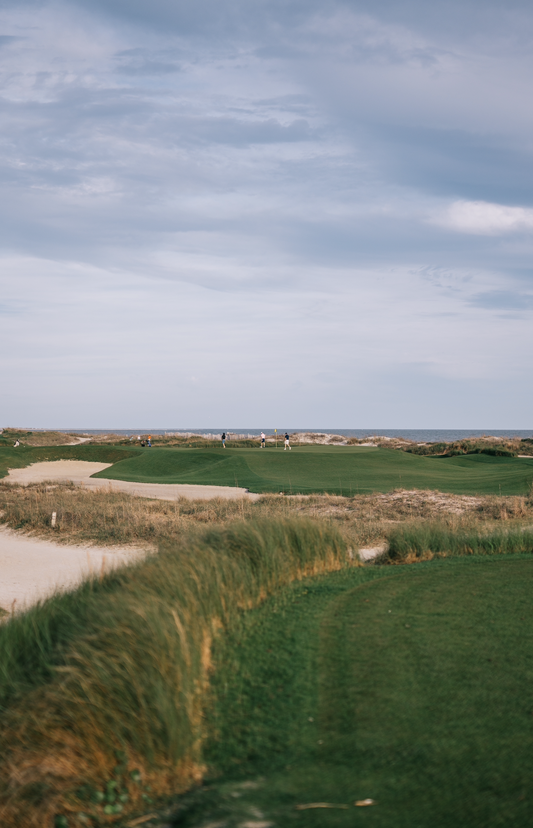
336,470
409,687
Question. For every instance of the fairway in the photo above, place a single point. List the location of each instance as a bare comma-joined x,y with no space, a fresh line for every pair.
411,688
346,471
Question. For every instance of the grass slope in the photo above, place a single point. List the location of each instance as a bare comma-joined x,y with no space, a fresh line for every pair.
120,667
17,458
411,688
335,470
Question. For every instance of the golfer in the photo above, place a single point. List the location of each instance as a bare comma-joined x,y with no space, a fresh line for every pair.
224,440
262,439
287,444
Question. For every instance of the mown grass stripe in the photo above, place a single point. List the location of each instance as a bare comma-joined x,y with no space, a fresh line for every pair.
413,690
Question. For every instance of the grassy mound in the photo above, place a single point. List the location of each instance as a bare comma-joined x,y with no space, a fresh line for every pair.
101,690
345,471
496,447
18,458
412,689
36,438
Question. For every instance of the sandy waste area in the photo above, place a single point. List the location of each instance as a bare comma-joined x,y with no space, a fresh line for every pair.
31,569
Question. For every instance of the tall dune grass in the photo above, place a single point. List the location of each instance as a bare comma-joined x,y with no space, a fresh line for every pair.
111,517
117,671
425,540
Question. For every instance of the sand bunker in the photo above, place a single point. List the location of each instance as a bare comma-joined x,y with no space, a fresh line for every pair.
76,470
80,471
33,569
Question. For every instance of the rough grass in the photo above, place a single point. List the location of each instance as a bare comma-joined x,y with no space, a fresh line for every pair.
418,541
117,671
492,446
175,441
104,517
37,438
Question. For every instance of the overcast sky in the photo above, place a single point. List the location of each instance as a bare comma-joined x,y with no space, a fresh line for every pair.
266,213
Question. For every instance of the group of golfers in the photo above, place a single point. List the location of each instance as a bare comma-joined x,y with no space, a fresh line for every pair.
263,438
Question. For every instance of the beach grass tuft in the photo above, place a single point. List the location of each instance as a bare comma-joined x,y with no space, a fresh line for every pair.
417,541
121,665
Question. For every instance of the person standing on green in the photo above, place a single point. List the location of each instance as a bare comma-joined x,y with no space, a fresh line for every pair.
287,444
224,440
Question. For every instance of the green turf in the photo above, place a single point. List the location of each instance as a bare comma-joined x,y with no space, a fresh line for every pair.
411,687
16,458
337,470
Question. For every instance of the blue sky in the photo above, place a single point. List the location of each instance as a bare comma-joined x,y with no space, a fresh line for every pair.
259,214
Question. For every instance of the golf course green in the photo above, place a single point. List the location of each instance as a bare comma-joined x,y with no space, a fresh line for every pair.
346,470
411,688
337,470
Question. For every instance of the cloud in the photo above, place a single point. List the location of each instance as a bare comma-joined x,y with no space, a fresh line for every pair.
484,219
146,67
7,40
504,300
217,190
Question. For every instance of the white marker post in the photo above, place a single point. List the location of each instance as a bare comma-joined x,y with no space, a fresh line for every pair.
53,521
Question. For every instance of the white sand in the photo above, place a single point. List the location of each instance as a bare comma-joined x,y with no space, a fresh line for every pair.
76,470
32,569
372,552
80,471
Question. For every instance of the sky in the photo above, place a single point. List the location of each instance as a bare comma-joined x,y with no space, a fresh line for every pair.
258,214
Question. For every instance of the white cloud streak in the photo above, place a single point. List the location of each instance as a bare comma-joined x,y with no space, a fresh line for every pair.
484,219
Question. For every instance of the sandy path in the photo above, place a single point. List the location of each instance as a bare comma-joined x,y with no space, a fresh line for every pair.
31,569
80,471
